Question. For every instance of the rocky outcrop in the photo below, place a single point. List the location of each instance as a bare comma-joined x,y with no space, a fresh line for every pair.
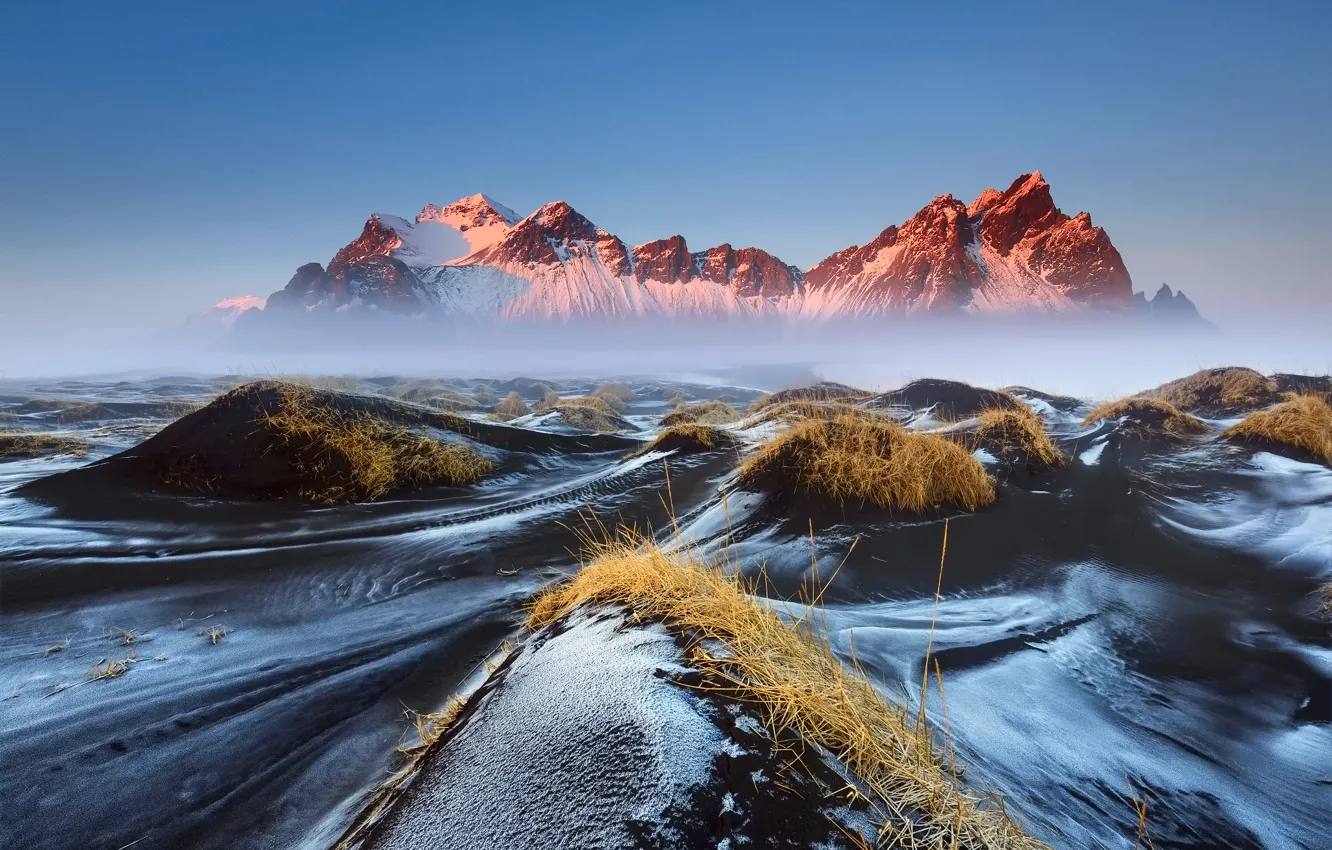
1168,306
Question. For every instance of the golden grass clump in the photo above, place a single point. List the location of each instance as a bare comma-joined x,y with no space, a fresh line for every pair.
1151,414
708,413
1218,390
358,457
1007,432
747,651
823,391
798,411
594,402
686,437
18,445
614,390
512,406
1304,422
871,461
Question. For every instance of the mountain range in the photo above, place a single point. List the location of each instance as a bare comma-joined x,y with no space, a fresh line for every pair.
1006,252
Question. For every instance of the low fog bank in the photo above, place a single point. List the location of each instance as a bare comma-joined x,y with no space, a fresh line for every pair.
1085,358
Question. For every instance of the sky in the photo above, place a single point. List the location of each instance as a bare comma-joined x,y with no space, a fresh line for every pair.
156,158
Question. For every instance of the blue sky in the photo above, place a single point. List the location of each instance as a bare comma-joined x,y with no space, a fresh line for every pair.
155,158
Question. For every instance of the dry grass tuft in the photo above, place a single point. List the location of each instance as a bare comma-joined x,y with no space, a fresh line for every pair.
707,413
749,652
1325,592
215,634
871,461
824,391
512,407
1230,388
1304,422
685,438
20,445
325,452
615,391
112,668
798,411
430,727
1007,432
361,457
1150,415
594,402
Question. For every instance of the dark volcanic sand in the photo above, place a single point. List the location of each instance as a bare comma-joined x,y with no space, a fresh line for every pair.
1139,622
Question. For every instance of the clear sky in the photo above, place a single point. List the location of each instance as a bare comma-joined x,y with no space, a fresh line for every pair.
158,157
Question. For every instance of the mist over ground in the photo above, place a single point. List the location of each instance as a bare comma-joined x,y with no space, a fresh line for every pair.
1088,358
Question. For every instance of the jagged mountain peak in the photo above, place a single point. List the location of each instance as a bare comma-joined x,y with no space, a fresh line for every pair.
984,201
1010,250
472,211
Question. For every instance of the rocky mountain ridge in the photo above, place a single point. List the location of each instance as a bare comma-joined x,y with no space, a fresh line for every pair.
1010,251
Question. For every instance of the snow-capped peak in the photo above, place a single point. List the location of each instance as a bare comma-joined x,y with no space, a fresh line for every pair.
1007,251
224,313
481,220
241,304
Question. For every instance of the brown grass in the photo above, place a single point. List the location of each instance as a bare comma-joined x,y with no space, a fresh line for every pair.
112,668
215,634
870,461
798,411
1304,422
512,406
1326,593
17,445
337,455
821,392
613,390
594,402
361,457
1152,414
789,674
686,437
1006,431
591,418
548,401
1231,387
708,413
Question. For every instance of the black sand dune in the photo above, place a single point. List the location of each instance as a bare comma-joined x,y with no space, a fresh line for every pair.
1141,620
953,399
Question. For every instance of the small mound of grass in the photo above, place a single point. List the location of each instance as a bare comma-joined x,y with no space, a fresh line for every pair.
1149,415
821,392
302,442
590,417
798,411
22,445
614,390
951,399
873,462
361,457
512,406
1017,433
1230,389
594,402
707,413
687,438
747,651
1304,422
